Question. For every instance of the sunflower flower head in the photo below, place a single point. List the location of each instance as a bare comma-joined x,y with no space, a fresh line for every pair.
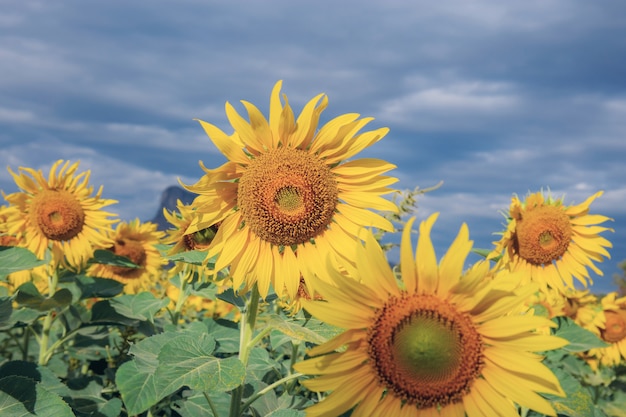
440,342
553,243
136,241
609,324
181,241
287,197
59,213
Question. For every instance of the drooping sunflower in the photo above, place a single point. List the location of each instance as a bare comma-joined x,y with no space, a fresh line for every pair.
610,326
59,213
286,197
136,241
443,343
553,243
177,236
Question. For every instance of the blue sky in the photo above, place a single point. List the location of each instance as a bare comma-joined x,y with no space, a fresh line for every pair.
495,98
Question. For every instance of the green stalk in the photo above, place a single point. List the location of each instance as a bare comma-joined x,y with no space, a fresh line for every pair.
269,388
182,294
53,281
246,332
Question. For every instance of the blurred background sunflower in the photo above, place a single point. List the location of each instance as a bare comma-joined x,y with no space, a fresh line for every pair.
552,243
136,241
59,213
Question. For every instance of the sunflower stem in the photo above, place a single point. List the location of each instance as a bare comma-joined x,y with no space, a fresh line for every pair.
182,295
246,331
269,388
47,322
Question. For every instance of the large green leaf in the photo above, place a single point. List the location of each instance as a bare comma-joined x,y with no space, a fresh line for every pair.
146,351
580,339
142,306
21,396
13,259
141,381
188,361
138,387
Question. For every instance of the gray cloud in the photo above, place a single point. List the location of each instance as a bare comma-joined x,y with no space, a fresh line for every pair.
493,97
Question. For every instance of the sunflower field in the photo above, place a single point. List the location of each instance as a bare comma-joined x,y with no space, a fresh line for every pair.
272,293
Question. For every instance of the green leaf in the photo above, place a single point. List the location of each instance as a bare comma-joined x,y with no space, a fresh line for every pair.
87,399
142,306
580,339
196,404
22,315
188,361
194,257
294,329
21,396
13,258
137,387
577,403
286,413
6,309
98,287
230,297
37,373
103,312
226,334
28,295
106,257
146,351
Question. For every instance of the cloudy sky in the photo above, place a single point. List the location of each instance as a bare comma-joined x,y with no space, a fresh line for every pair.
495,98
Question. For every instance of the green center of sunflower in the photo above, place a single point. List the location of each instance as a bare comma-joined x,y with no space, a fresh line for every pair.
287,196
58,214
132,250
615,326
543,234
425,351
288,199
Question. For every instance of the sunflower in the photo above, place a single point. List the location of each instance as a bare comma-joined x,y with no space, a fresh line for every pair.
548,303
610,326
136,241
286,197
442,343
59,214
180,219
553,243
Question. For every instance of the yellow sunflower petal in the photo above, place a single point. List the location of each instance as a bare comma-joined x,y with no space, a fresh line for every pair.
513,325
228,145
307,122
501,382
452,264
425,259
